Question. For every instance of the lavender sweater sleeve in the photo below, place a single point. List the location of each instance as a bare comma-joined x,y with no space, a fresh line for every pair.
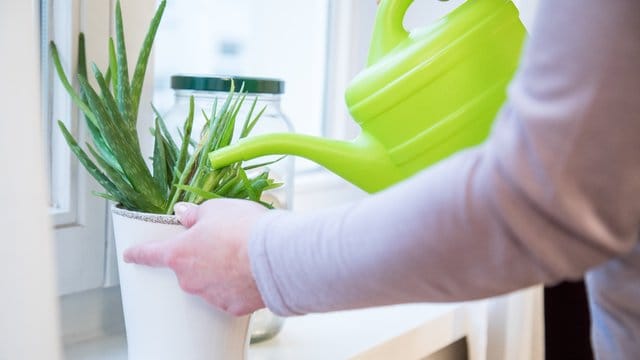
553,192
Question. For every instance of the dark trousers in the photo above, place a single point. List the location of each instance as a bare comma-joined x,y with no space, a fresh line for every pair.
567,322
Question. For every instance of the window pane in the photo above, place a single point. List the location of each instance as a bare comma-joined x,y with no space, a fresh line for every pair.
423,13
284,39
45,15
56,24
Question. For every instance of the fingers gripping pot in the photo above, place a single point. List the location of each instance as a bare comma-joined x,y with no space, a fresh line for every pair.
162,321
208,90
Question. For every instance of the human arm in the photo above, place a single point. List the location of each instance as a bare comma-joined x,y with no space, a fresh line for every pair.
553,191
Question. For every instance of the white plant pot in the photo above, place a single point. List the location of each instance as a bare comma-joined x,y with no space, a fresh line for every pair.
162,321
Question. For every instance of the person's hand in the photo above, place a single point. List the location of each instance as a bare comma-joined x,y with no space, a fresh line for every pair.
210,259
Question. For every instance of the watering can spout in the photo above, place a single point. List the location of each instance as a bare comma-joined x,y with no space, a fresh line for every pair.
424,95
349,160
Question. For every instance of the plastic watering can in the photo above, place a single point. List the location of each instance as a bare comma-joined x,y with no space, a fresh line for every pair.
423,96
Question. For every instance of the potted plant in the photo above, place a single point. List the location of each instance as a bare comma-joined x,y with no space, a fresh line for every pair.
162,322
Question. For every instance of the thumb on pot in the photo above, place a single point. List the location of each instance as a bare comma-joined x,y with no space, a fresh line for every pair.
187,213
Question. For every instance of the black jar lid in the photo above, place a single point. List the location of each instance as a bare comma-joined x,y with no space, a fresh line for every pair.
252,85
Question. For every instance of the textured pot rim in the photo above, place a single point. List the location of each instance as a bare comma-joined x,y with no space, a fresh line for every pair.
146,217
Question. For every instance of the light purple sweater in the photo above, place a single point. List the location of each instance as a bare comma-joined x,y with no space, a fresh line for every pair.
553,194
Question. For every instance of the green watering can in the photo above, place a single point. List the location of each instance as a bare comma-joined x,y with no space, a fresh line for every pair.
423,96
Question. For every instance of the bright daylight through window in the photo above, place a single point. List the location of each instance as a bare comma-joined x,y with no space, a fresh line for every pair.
285,39
315,46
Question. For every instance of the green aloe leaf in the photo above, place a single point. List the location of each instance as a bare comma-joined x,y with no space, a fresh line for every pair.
102,145
118,178
67,85
130,197
181,161
244,132
165,132
107,76
89,165
106,196
253,123
143,59
124,147
82,56
262,185
186,136
123,90
255,166
110,103
228,186
211,136
160,171
206,195
218,120
184,178
113,65
228,125
93,130
214,111
209,182
251,192
111,109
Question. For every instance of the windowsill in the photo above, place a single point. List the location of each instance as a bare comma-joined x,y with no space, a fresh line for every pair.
410,331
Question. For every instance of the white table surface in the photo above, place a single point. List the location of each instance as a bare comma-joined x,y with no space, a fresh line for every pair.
410,331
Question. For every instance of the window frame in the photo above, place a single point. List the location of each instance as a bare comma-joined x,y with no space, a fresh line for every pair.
80,218
351,23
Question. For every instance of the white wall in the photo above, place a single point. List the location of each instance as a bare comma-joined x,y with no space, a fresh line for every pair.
28,311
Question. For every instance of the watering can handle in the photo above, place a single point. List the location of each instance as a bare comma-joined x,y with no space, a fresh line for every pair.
389,29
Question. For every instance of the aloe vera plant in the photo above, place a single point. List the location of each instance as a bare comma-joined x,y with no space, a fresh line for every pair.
180,171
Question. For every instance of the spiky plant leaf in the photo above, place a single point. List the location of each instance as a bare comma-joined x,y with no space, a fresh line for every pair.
89,165
160,170
113,65
184,150
130,157
165,132
263,164
123,88
206,195
143,60
180,172
130,197
67,85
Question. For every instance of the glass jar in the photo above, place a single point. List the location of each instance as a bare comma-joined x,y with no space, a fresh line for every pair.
206,90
